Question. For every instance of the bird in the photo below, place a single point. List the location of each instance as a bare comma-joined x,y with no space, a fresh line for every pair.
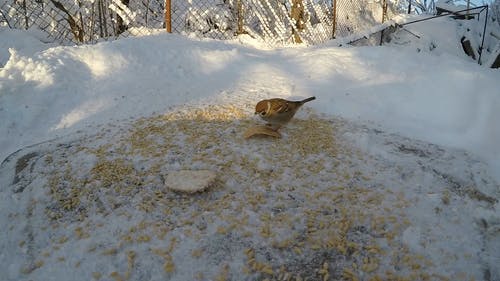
278,112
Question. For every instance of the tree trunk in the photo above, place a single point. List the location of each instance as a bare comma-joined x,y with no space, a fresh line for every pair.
75,28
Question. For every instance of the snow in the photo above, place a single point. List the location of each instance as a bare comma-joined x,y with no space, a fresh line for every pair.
451,7
398,155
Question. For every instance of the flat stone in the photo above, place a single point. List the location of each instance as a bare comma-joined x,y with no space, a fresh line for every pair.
190,181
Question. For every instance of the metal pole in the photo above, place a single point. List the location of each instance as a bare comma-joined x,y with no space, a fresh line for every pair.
168,16
446,14
484,35
409,6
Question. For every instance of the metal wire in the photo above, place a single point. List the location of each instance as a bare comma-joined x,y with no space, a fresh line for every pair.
476,11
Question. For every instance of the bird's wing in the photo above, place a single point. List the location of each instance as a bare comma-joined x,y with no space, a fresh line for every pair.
281,105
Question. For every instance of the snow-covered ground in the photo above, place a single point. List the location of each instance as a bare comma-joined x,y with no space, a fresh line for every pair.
391,173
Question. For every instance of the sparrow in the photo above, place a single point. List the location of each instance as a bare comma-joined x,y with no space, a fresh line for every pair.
278,112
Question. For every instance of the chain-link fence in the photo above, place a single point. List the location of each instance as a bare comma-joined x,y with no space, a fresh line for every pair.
274,21
83,21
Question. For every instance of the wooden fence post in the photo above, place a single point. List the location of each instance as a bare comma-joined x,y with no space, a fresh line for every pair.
297,15
26,17
384,10
168,16
384,17
240,17
334,18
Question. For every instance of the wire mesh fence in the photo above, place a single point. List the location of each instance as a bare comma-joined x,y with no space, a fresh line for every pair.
273,21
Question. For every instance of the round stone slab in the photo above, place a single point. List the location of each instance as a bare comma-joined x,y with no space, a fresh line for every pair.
190,181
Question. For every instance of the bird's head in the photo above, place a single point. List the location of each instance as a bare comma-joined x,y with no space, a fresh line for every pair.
262,108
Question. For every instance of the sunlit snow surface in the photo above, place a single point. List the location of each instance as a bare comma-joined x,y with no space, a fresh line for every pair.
390,173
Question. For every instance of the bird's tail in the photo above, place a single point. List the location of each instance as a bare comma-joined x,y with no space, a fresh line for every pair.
308,99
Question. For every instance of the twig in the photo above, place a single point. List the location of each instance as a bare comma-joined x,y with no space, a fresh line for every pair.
5,18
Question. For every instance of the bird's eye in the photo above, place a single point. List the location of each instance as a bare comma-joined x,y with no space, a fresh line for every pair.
263,113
